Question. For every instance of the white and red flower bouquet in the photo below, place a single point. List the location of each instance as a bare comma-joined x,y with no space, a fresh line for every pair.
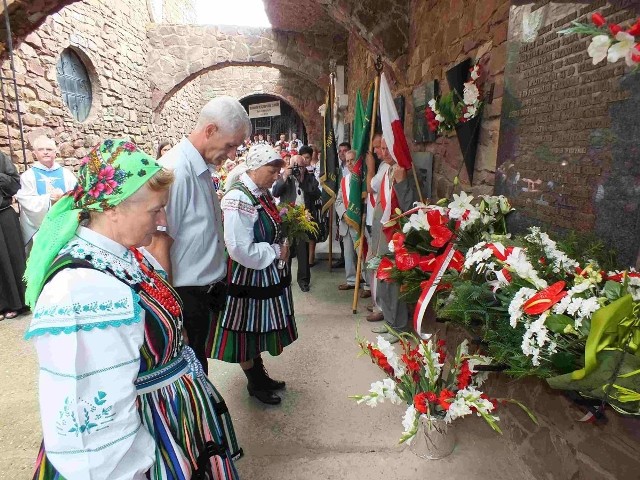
421,237
610,40
546,314
433,383
444,113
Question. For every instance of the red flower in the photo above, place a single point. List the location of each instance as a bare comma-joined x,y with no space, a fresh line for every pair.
464,377
420,402
380,359
413,365
385,269
405,260
441,235
440,351
398,240
544,299
130,147
428,263
431,397
634,29
434,217
457,261
444,397
614,28
597,19
635,51
493,401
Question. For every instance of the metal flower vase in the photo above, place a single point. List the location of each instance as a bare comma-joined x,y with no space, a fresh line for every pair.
435,439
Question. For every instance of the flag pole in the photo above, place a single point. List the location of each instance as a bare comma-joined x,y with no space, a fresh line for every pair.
415,177
332,77
363,226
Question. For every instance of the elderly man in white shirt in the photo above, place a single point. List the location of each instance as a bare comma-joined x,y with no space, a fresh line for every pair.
41,186
192,248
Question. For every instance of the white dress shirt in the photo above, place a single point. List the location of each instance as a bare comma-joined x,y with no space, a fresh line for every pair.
194,219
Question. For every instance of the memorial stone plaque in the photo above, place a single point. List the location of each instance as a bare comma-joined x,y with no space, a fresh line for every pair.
569,149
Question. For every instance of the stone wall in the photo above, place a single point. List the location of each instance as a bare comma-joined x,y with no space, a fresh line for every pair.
441,34
112,44
178,11
180,113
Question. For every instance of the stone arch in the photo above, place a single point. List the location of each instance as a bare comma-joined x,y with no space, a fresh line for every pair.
181,53
178,112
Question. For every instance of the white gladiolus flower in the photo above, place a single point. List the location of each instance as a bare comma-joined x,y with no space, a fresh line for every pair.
471,112
598,48
475,73
432,104
409,420
622,49
439,118
391,247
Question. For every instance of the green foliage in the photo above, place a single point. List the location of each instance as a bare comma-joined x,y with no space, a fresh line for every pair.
587,247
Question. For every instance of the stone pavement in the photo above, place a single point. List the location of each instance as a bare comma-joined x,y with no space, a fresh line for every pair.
317,433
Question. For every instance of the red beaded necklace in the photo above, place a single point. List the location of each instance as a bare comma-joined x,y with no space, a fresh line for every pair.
156,288
270,207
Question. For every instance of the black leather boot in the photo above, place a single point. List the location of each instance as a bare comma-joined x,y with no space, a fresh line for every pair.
269,382
257,387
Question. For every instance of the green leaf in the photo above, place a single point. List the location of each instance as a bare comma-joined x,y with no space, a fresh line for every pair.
563,362
613,290
557,323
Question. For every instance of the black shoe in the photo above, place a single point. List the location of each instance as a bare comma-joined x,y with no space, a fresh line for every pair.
338,263
304,287
265,396
257,386
269,382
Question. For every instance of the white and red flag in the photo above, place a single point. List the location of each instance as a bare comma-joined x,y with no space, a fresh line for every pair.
392,130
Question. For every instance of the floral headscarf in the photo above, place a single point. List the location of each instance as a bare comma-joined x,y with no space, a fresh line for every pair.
111,173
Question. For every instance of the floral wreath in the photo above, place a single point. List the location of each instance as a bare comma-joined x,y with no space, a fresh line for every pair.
609,41
444,113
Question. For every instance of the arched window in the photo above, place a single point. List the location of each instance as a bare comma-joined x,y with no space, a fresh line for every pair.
75,84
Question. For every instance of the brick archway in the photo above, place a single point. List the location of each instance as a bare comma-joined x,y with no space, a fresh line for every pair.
180,53
178,113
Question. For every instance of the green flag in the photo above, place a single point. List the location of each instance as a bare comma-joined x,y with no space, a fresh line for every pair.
357,185
329,163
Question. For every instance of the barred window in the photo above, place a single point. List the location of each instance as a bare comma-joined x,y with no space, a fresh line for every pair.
75,84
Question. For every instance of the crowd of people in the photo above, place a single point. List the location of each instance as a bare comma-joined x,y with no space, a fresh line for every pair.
140,269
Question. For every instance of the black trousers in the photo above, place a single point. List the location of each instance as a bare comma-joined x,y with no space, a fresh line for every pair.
301,250
200,314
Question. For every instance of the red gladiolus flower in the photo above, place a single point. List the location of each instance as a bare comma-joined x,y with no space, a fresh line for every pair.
412,364
464,377
384,269
634,29
614,28
443,398
431,397
380,359
420,402
598,20
441,235
440,351
545,299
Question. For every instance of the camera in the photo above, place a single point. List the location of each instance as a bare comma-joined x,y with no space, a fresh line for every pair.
295,170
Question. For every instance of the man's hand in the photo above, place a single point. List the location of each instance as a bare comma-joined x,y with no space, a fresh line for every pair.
399,174
55,195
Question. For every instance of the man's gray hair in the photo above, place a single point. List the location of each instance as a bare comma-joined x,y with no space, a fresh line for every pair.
42,139
227,114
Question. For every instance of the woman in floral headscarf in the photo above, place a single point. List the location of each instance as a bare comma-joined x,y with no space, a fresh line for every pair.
121,396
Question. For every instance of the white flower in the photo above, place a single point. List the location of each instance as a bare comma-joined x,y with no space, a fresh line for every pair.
475,72
439,118
621,49
505,206
387,349
535,336
471,93
515,307
519,263
598,48
480,377
589,306
417,221
634,288
409,422
461,204
391,247
471,112
562,305
432,104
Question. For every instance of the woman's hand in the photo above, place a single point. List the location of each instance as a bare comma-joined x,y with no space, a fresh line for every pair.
284,252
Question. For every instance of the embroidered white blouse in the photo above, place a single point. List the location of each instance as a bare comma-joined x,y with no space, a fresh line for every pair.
88,329
239,218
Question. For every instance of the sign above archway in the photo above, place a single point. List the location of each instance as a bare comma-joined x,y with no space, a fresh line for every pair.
266,109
